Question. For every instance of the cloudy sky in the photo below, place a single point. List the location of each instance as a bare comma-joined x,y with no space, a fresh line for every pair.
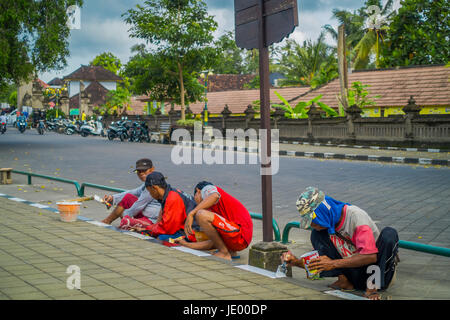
103,28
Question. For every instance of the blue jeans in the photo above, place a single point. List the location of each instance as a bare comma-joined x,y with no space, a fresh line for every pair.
387,245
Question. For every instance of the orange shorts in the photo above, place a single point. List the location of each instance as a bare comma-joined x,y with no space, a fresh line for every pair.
230,233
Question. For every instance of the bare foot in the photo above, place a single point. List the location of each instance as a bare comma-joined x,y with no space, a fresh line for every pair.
372,294
226,256
106,221
342,283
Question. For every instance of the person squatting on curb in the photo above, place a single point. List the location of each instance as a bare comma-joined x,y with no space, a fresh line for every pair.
225,221
136,207
174,206
348,243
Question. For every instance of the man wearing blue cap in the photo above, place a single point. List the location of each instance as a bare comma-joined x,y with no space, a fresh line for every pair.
349,244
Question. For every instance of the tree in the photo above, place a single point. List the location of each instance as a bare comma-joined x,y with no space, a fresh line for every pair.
182,34
230,58
313,63
33,38
376,29
154,74
365,29
419,34
108,61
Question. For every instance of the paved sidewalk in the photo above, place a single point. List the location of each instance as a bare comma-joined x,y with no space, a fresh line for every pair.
36,249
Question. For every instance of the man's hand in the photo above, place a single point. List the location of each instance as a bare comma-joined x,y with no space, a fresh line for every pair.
188,223
108,199
322,263
291,260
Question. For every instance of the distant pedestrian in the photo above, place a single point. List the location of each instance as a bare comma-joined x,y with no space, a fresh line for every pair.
348,242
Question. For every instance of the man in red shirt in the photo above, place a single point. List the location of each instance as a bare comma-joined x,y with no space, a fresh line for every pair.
174,206
225,221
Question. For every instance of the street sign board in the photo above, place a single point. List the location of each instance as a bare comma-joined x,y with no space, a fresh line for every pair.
280,19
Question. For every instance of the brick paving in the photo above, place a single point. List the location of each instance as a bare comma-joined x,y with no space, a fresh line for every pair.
36,249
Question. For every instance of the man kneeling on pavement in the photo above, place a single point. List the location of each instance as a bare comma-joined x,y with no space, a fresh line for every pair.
225,221
348,243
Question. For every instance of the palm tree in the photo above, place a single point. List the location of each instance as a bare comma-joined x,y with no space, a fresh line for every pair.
312,63
364,31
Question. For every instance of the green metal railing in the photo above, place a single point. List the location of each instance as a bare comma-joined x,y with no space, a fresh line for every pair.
402,244
36,175
276,229
97,186
81,193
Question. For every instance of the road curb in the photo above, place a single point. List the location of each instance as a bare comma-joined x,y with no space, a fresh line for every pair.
329,155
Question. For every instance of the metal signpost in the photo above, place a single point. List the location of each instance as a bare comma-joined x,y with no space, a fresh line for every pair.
258,24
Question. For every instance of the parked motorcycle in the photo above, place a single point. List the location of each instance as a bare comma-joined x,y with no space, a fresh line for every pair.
115,130
145,132
51,125
41,127
73,127
94,128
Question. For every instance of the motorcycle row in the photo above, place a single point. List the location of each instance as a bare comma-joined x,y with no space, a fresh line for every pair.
124,129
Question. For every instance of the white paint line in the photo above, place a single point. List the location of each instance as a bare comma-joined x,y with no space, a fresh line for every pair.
138,235
98,223
344,295
197,253
40,206
260,271
17,199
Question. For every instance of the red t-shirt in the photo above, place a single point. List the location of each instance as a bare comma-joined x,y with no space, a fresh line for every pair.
173,216
233,210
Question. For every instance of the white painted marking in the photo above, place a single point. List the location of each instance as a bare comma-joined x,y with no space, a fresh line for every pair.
260,271
197,253
344,295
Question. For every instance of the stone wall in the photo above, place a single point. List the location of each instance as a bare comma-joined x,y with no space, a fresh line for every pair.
409,130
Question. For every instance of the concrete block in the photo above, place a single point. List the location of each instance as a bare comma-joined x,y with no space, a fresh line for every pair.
266,255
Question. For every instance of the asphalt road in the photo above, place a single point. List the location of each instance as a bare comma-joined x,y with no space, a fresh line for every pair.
413,199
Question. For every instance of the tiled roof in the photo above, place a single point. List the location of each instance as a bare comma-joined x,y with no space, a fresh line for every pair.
226,82
42,83
238,100
429,85
97,92
93,73
56,82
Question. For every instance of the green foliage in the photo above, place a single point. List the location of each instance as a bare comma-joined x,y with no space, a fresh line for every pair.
12,99
364,42
108,61
419,34
188,122
359,95
230,58
313,63
300,111
51,114
117,102
33,38
181,32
